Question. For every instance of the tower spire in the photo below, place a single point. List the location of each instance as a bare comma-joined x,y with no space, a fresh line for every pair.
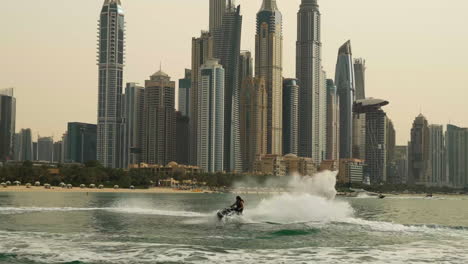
269,5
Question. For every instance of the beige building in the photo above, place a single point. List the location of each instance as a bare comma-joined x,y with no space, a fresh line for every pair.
278,165
351,171
253,120
172,168
269,65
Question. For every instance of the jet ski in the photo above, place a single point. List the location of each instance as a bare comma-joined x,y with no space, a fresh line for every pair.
381,196
227,212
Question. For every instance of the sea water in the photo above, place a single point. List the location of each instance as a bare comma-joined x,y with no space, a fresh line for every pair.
306,225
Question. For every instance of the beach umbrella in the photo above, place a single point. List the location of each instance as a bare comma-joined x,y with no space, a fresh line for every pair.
28,185
82,186
3,184
101,186
116,187
92,186
132,187
17,183
63,185
69,186
37,184
47,186
8,183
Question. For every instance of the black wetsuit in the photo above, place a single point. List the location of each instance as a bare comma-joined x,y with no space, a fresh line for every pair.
238,206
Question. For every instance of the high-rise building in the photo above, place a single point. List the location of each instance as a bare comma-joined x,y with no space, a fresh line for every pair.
437,153
202,49
227,40
217,9
253,117
360,78
313,92
376,138
419,154
133,132
269,65
245,66
333,122
457,156
111,64
17,147
35,148
182,139
7,124
401,161
81,142
290,116
45,149
24,142
391,141
159,122
344,81
210,145
57,157
184,93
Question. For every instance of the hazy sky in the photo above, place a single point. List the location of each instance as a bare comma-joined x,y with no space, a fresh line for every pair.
416,52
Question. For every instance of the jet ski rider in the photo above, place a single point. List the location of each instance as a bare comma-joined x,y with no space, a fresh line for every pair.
238,206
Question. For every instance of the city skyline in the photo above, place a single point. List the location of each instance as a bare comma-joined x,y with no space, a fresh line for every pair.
385,79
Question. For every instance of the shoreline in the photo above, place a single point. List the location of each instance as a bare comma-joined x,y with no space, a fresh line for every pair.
34,189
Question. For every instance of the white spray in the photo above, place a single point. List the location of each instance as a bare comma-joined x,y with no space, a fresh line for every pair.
309,199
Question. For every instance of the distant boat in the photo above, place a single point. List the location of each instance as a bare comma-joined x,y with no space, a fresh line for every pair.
381,196
429,195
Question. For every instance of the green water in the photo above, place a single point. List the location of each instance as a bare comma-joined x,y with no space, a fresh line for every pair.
182,228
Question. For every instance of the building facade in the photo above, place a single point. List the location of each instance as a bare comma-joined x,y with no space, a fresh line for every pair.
227,40
81,142
419,165
344,81
182,139
333,122
312,99
269,65
210,141
133,115
253,121
57,157
457,156
217,10
159,120
45,149
184,93
290,116
7,124
437,156
202,49
351,171
111,63
360,78
245,66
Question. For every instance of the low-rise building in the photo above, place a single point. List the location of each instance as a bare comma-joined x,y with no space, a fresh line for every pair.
172,168
277,165
351,171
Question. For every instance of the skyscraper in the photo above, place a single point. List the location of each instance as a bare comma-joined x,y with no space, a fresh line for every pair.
57,157
25,145
133,132
159,122
290,116
245,66
269,65
419,153
253,117
333,122
457,156
312,99
227,39
360,78
184,93
437,152
35,151
81,142
202,49
7,124
111,63
182,139
344,81
217,9
210,145
45,149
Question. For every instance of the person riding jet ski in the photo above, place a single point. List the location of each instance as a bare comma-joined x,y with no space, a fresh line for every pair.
238,206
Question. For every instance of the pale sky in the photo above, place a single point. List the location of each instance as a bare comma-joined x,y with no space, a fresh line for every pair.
416,53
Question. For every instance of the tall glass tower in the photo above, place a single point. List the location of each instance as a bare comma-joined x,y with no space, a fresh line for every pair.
344,81
269,65
111,63
312,109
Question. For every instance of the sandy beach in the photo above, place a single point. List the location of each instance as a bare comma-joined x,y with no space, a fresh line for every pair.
95,190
